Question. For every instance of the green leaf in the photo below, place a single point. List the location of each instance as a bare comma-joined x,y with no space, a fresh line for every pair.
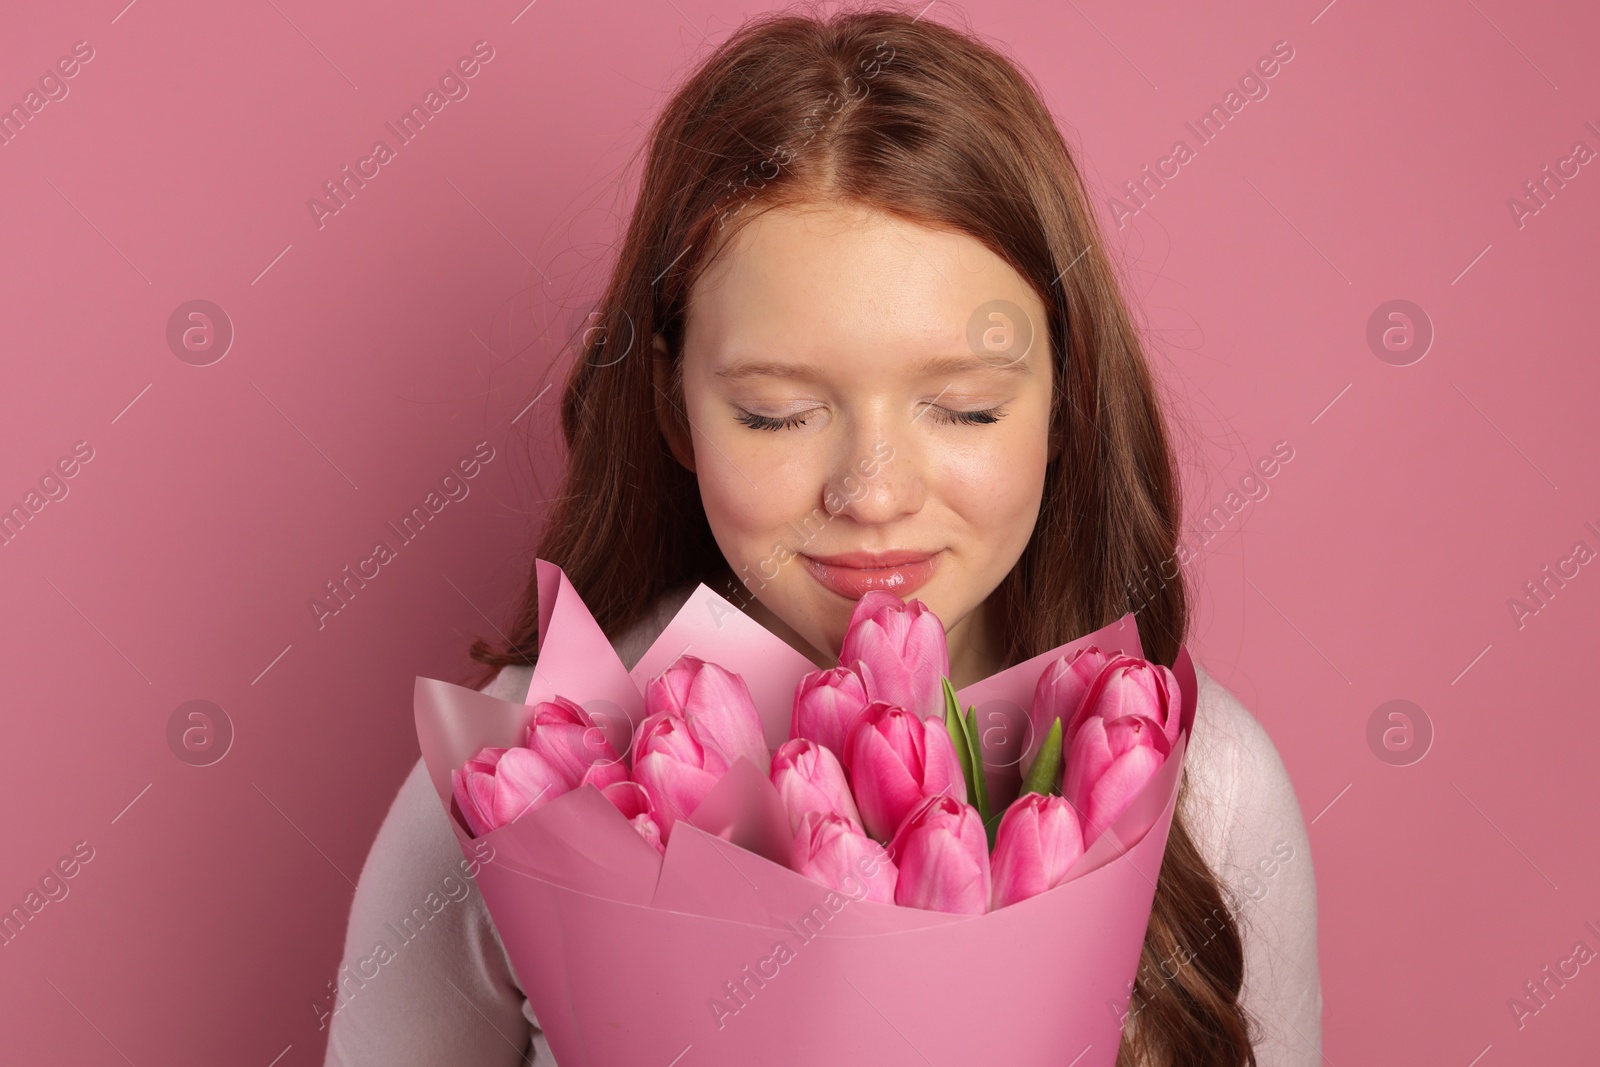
951,705
1046,767
964,739
978,786
958,735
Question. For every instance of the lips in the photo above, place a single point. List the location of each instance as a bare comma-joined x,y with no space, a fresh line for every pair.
870,560
854,574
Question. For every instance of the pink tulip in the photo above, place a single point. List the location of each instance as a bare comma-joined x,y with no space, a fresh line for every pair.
943,856
902,647
897,758
631,799
831,849
498,784
826,705
563,733
1038,842
601,774
811,778
1059,693
1127,685
676,767
718,702
1109,763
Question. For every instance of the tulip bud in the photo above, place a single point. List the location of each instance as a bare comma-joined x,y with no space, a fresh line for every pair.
1038,842
498,784
896,759
675,767
564,734
1127,685
631,799
826,705
811,778
1059,693
1109,763
831,849
943,857
899,650
718,702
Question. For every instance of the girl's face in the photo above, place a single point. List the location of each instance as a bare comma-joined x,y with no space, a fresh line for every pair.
869,403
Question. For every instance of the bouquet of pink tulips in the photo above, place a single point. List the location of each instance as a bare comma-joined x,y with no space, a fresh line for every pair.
795,863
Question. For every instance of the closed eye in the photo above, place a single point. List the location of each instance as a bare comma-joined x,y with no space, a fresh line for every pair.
984,417
766,422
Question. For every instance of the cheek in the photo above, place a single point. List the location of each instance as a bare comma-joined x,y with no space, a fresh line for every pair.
996,484
752,494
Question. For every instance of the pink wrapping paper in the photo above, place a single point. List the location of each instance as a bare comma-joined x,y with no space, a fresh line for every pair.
718,954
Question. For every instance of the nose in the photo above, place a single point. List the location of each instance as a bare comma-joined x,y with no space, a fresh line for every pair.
876,478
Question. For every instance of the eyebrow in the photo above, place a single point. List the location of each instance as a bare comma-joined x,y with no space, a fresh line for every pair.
759,368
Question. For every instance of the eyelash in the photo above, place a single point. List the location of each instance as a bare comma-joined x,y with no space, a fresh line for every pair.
986,417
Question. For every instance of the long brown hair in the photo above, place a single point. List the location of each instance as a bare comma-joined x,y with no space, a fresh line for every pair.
898,112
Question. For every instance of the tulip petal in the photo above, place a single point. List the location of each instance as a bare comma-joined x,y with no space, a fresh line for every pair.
809,778
566,736
650,830
722,701
832,850
826,706
627,797
1039,841
1116,788
905,648
884,786
604,773
675,788
943,856
472,799
941,764
716,702
1087,760
523,780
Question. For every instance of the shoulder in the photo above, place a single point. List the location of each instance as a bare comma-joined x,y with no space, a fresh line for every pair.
1245,818
1236,776
511,683
446,986
418,920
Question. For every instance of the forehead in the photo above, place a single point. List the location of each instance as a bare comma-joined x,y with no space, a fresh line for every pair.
829,283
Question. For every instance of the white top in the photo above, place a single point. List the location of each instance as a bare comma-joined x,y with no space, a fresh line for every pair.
440,989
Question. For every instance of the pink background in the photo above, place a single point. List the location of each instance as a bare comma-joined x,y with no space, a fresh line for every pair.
373,353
